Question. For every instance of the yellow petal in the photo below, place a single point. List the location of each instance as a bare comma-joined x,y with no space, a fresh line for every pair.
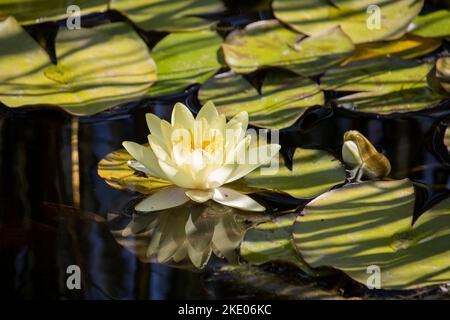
242,118
177,176
208,112
234,199
164,199
146,157
182,116
159,150
199,196
154,125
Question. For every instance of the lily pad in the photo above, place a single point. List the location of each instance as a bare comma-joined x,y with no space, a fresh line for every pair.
183,59
36,11
314,16
443,72
432,25
192,232
272,242
370,224
313,172
97,68
169,15
386,85
279,104
407,47
268,43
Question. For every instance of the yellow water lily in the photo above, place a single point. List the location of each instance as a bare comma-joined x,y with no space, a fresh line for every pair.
199,156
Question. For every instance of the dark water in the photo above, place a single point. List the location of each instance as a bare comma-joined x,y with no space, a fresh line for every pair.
48,222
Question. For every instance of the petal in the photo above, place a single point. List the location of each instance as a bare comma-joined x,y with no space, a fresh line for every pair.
157,148
164,199
136,165
177,176
199,196
208,112
145,156
234,199
242,118
182,116
219,176
264,153
154,124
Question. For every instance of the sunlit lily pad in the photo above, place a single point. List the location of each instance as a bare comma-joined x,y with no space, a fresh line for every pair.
169,15
183,59
281,101
370,223
314,16
385,85
34,11
272,242
192,232
434,24
313,172
407,47
97,68
268,43
443,72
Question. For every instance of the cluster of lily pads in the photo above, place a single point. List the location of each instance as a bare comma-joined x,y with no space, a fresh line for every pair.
310,47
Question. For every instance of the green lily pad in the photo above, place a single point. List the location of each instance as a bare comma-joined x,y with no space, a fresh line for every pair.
272,242
443,72
191,233
281,101
268,43
36,11
432,25
183,59
97,68
386,85
370,224
314,16
169,15
407,47
313,172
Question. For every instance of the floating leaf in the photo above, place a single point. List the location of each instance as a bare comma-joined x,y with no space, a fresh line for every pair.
268,43
169,15
314,16
370,224
387,85
283,98
272,242
313,172
36,11
432,25
97,68
407,47
184,59
443,72
192,232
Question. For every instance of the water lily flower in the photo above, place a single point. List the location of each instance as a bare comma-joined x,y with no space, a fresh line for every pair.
199,156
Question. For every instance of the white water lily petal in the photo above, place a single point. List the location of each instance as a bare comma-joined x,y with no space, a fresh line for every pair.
219,176
199,196
182,116
158,149
154,125
146,157
208,112
234,199
264,153
164,199
241,118
177,175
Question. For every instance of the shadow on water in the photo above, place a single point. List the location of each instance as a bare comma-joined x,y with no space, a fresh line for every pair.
44,227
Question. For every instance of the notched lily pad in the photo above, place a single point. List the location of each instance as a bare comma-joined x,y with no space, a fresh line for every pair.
282,99
432,25
314,16
36,11
370,224
268,43
183,59
97,68
385,85
313,172
169,15
272,242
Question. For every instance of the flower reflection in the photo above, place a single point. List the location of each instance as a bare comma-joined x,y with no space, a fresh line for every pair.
191,233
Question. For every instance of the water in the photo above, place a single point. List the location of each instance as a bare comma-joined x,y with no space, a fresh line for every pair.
53,215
